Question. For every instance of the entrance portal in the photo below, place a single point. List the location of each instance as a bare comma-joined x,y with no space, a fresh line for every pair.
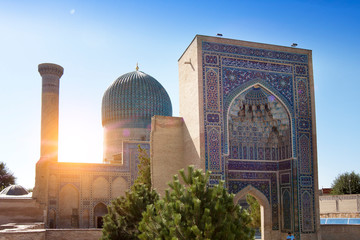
265,209
99,211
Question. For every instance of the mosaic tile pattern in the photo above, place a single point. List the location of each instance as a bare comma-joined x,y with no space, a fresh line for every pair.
214,148
234,77
304,156
253,52
133,99
259,126
237,152
285,178
287,209
212,90
307,213
303,102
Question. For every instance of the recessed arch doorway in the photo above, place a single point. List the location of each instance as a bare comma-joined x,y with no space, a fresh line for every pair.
265,209
99,211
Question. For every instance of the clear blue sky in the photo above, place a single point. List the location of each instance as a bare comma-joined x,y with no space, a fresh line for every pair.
97,41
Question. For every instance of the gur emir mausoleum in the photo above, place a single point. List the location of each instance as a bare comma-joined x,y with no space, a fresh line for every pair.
247,114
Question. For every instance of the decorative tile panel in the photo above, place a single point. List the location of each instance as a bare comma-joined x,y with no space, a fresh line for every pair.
303,102
307,212
211,59
253,147
305,154
286,213
214,150
212,86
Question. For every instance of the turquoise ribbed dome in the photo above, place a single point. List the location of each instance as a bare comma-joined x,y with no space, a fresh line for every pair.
132,99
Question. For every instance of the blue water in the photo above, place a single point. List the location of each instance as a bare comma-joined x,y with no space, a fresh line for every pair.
352,221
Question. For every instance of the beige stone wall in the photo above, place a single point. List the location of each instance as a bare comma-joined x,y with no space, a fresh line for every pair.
191,104
347,205
23,235
340,232
114,138
327,206
339,206
339,215
14,210
65,234
52,234
118,187
166,150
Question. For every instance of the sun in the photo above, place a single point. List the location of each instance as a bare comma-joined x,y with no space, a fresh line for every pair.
79,141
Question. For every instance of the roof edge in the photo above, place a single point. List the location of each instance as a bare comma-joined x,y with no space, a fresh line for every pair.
249,43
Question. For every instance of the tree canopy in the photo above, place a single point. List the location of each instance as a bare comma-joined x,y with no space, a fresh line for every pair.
194,210
7,178
125,213
191,209
254,211
346,183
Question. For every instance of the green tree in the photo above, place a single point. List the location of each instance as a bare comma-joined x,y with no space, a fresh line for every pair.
144,175
194,210
7,178
125,213
254,211
346,183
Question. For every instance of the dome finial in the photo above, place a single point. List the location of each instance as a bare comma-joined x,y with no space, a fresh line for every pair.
137,67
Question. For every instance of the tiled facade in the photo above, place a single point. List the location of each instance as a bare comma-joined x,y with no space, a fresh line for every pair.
259,126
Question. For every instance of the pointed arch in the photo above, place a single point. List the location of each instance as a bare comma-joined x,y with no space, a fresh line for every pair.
99,211
118,187
246,86
265,208
100,188
269,118
69,206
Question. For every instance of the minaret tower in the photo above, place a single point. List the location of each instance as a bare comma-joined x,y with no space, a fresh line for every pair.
50,74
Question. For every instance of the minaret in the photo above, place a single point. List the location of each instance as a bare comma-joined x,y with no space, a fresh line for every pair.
50,74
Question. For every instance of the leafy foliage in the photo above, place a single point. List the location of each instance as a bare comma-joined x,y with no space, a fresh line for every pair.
254,211
144,175
194,210
125,213
7,178
346,183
